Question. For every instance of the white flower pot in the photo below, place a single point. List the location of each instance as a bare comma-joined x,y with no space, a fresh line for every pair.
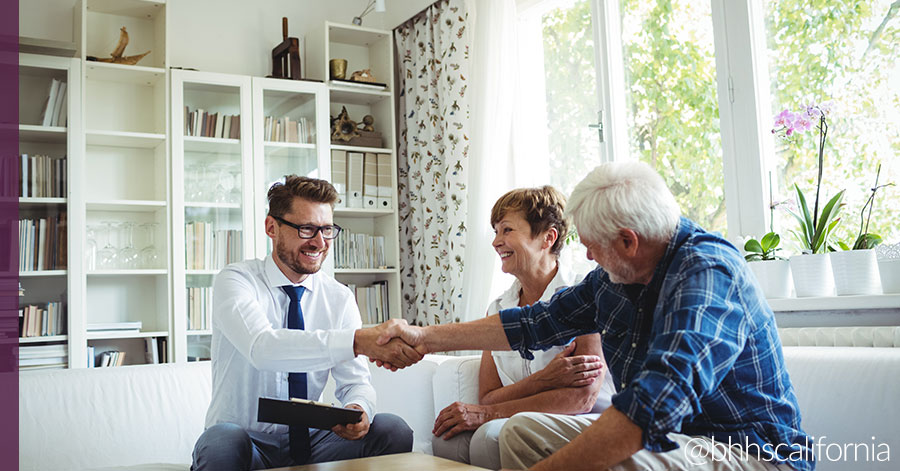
774,277
855,272
890,275
812,275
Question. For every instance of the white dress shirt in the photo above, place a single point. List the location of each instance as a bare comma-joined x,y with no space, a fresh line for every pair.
253,350
512,368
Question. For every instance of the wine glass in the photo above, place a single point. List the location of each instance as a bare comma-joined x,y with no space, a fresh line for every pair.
220,193
128,255
90,248
149,256
107,257
234,196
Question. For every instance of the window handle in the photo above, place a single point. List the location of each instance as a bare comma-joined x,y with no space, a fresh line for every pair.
598,125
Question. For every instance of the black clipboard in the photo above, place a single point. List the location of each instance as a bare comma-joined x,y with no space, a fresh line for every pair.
305,413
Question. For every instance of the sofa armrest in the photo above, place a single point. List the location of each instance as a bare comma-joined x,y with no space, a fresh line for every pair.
456,379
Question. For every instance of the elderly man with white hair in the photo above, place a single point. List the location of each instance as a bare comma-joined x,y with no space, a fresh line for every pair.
689,339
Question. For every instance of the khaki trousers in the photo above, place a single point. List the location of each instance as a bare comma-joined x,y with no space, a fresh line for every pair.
530,437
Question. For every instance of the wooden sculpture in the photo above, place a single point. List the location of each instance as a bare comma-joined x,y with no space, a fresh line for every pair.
117,57
364,75
286,56
343,128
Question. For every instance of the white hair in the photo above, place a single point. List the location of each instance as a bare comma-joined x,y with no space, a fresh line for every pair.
623,195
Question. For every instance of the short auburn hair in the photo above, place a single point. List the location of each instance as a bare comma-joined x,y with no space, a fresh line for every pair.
543,208
281,195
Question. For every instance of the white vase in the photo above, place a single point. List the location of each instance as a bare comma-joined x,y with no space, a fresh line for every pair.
855,272
889,268
812,275
774,277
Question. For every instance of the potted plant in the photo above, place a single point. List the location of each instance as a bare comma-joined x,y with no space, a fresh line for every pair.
772,272
812,269
856,268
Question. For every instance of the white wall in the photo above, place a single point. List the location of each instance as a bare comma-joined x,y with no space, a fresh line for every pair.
231,36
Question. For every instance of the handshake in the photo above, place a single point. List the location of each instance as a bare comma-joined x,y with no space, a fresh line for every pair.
393,345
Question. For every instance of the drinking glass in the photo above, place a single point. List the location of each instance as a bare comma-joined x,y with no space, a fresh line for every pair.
107,257
234,196
90,248
128,255
220,177
149,256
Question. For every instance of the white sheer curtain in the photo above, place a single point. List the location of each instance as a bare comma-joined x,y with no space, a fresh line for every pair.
504,155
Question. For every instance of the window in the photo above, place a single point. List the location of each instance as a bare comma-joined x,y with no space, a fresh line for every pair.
846,53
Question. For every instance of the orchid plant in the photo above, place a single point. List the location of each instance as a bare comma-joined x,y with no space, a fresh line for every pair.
865,239
815,227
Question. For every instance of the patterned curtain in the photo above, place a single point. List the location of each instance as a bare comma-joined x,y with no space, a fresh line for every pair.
433,148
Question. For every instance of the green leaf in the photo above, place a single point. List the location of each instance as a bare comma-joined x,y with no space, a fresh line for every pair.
753,246
843,245
753,257
827,221
770,241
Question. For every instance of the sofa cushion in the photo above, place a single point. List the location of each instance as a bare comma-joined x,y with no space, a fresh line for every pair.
111,417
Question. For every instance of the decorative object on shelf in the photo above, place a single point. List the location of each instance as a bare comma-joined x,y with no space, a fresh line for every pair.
374,5
364,75
286,56
888,256
116,55
337,69
368,123
343,129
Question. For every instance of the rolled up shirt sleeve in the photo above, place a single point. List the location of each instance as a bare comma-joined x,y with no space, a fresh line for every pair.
697,338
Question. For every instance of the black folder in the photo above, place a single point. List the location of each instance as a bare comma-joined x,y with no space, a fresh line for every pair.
305,413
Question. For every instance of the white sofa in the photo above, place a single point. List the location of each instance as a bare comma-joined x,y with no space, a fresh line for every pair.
148,417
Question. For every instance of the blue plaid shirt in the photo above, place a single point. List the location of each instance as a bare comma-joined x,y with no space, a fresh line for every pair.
695,351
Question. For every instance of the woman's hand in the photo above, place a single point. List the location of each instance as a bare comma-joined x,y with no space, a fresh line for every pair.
566,371
460,417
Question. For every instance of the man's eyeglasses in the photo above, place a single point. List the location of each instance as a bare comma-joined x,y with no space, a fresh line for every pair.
309,231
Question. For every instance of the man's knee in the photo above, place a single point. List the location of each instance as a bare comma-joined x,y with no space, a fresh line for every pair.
518,426
223,446
392,432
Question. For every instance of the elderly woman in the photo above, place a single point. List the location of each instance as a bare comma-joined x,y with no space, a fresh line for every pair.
530,231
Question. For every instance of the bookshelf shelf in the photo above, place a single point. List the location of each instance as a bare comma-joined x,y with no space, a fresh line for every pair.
143,9
357,96
42,273
140,140
128,334
126,205
42,201
46,338
205,272
47,134
290,145
130,272
376,150
362,212
199,332
126,74
364,271
214,145
212,205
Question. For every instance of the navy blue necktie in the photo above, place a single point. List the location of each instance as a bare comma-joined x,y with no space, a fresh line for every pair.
299,436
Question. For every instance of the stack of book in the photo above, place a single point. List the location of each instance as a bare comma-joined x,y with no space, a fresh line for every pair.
107,359
355,250
42,176
362,179
37,321
43,243
35,357
201,123
207,248
155,350
372,301
55,110
115,327
199,308
289,130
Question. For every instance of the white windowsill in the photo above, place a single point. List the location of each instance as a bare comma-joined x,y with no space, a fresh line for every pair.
836,303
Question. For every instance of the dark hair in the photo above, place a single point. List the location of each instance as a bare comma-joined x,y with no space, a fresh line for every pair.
543,208
281,195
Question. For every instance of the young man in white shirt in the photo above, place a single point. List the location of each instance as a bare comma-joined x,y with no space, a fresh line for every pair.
279,327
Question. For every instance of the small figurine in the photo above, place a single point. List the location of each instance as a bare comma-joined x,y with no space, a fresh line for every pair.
116,56
368,123
343,128
364,75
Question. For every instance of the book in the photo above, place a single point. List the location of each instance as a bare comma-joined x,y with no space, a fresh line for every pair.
385,198
355,180
339,176
60,104
50,104
305,413
370,180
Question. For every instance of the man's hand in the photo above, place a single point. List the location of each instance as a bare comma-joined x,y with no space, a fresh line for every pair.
459,417
566,371
394,354
353,431
399,329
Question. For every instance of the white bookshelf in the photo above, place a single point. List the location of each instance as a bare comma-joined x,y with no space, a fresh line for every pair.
211,184
363,48
58,283
122,186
